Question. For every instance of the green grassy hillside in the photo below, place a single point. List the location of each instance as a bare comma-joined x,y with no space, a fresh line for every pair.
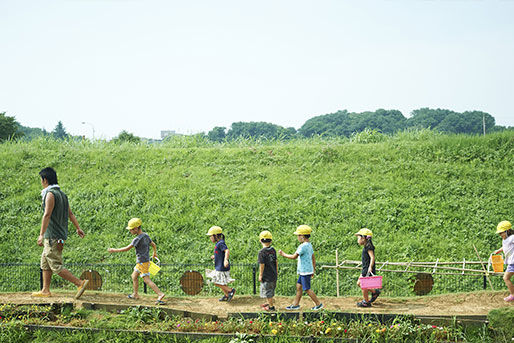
425,195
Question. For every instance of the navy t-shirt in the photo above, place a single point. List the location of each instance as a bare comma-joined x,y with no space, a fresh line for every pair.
219,256
366,259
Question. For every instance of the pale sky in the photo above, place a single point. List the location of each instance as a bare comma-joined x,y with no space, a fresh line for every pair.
147,65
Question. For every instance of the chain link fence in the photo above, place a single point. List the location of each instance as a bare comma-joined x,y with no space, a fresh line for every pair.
24,277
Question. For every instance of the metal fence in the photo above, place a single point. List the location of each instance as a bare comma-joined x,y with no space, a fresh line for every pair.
23,277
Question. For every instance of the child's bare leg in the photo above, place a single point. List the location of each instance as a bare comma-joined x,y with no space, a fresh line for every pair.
153,286
224,288
299,292
313,296
506,277
135,283
270,302
365,294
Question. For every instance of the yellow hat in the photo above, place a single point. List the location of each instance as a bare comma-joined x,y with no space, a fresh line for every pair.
214,230
303,230
265,235
503,226
133,223
364,232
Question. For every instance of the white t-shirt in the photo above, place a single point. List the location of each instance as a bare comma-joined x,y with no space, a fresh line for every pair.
508,249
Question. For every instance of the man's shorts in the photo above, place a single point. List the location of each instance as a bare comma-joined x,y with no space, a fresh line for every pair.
510,268
142,268
268,289
305,281
51,258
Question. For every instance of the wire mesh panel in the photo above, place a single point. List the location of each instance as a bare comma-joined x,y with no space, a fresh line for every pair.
23,277
19,277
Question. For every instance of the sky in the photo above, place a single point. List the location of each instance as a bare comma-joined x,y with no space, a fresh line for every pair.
103,66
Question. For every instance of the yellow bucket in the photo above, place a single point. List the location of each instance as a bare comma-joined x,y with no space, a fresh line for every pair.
497,261
154,268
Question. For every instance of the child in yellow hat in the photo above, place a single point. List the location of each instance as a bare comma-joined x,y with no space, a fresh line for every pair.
368,265
504,229
306,268
142,243
268,269
220,276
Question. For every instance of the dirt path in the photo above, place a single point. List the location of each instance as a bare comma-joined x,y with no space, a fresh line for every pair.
477,303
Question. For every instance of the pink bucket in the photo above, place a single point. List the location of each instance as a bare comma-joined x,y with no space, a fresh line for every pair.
371,282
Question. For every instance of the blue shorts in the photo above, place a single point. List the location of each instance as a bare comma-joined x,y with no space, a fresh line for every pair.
510,268
305,281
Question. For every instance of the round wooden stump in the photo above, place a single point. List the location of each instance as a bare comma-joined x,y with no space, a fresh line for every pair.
95,280
191,282
423,283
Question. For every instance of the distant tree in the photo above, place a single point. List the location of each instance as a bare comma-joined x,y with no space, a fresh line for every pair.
59,131
385,121
258,130
30,133
343,123
427,118
332,124
125,136
290,132
8,127
470,122
217,134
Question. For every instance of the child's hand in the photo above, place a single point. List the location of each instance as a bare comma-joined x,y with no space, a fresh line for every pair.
260,278
225,263
281,253
212,257
111,250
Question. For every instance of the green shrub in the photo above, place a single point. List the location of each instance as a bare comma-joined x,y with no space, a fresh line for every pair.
501,321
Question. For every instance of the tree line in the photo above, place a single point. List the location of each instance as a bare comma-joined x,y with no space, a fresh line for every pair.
344,124
338,124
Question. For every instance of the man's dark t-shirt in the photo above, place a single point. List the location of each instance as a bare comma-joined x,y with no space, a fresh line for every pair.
268,257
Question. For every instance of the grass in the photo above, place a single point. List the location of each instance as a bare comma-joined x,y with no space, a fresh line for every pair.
424,195
149,324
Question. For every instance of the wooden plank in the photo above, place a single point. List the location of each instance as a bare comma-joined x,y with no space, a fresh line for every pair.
337,274
383,264
435,266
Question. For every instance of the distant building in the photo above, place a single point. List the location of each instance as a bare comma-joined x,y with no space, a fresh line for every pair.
167,133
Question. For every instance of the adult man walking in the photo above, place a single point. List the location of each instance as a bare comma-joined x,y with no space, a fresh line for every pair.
54,232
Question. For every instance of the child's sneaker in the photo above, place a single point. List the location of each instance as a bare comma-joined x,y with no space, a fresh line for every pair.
364,303
509,298
293,307
318,307
223,298
231,294
375,295
270,308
